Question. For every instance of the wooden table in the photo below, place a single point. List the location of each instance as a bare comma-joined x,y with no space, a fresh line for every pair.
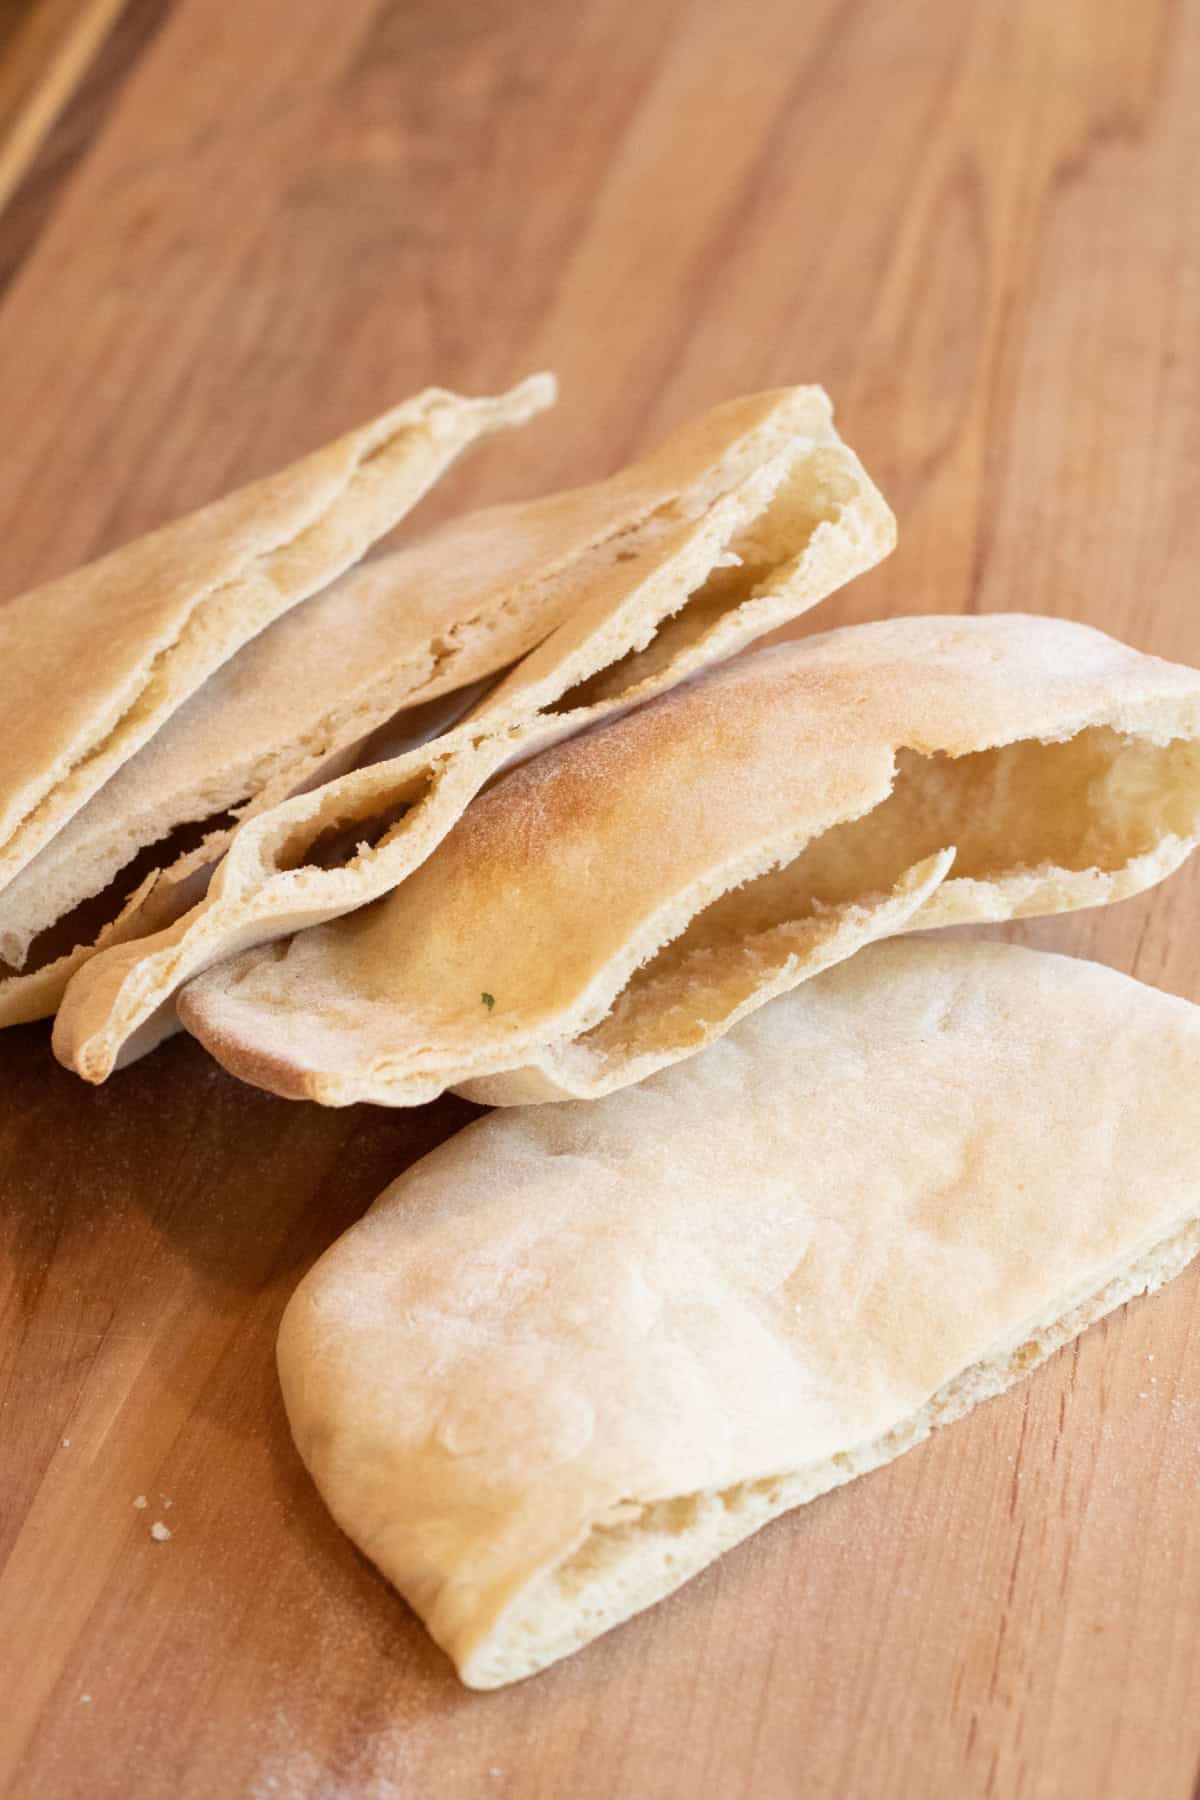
255,223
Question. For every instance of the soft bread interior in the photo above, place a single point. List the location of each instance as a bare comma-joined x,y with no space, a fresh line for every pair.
1031,826
636,1557
1098,801
758,561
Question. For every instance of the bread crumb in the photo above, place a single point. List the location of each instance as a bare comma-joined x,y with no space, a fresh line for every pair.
165,1501
141,1501
85,1699
66,1443
159,1531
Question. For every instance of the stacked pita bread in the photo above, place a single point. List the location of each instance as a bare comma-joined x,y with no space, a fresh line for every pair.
183,676
742,521
519,810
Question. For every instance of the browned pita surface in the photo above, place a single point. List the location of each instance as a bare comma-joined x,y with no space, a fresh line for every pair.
627,895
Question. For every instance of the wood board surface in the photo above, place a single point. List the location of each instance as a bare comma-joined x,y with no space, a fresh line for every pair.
250,227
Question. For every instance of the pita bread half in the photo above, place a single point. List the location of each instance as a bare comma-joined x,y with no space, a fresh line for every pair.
164,895
397,633
91,665
699,575
578,1352
625,897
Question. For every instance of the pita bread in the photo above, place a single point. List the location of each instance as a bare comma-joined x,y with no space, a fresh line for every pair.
627,896
578,1352
408,628
79,860
93,664
644,589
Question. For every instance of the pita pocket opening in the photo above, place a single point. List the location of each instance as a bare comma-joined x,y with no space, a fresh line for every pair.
628,894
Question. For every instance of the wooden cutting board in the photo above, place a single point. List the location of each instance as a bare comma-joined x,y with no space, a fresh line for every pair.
255,224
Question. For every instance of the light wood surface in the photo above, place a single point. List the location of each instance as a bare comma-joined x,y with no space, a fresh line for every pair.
978,225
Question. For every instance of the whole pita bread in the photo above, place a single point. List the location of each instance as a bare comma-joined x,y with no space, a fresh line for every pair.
93,664
578,1352
709,568
621,900
397,633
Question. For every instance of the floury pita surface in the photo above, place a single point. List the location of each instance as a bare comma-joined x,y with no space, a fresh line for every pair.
579,1351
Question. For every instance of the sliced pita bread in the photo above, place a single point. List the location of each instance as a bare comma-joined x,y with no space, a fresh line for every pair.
625,897
396,633
93,664
745,520
578,1352
120,810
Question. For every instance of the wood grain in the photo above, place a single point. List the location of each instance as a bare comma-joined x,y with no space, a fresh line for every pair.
45,49
977,225
83,105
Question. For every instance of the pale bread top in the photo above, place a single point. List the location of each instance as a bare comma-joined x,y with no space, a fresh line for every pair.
627,895
578,1351
700,575
91,665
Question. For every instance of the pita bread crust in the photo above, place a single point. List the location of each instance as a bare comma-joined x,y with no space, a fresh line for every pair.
700,572
628,895
578,1351
93,664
